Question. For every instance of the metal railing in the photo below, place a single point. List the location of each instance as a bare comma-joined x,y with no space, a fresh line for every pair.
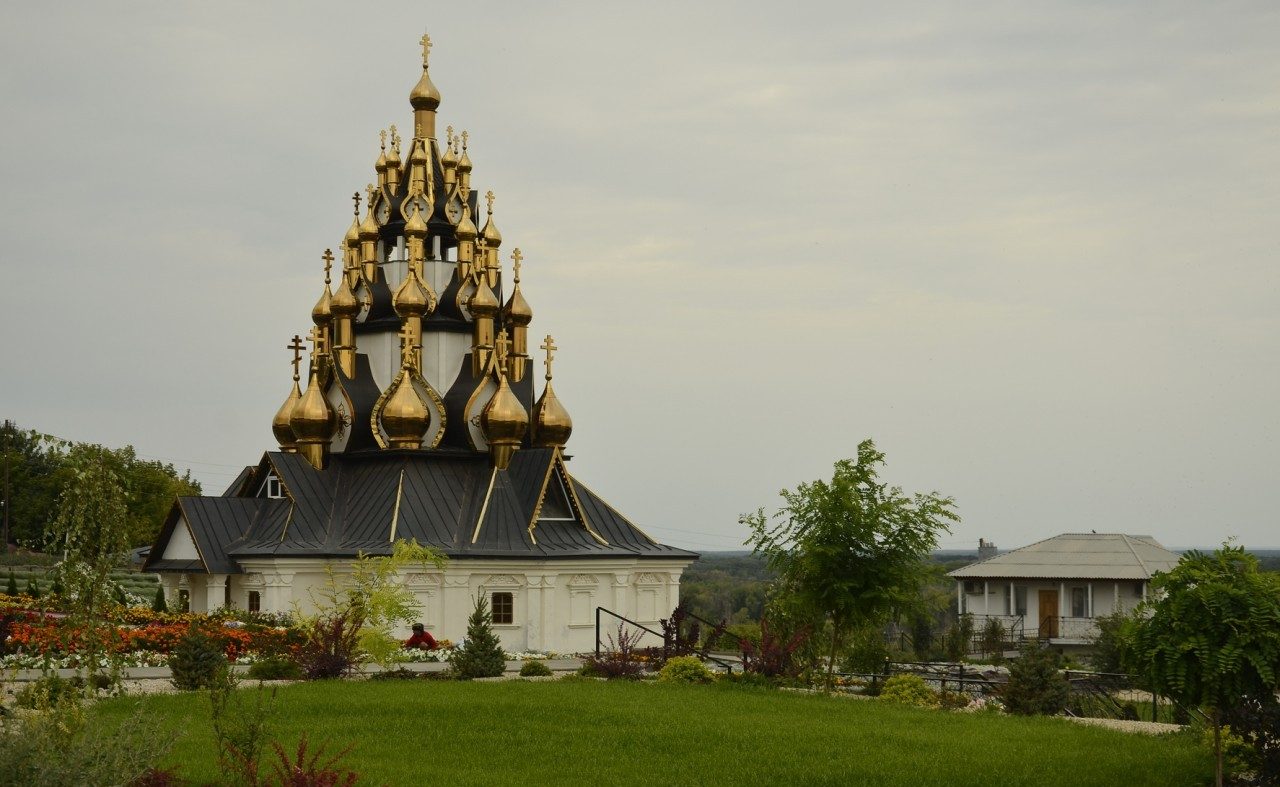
667,642
1067,627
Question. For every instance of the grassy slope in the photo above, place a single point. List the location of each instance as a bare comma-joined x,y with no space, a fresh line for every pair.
617,733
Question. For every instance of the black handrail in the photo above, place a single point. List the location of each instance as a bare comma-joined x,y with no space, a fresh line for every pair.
727,666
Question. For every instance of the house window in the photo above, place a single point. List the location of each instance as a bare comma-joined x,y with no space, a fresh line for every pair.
503,605
972,586
1078,603
184,600
255,601
1019,600
274,490
226,594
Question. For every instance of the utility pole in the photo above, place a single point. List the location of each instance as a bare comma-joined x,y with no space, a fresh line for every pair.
4,543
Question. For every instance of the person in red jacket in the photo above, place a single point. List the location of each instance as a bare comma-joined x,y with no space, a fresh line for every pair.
421,639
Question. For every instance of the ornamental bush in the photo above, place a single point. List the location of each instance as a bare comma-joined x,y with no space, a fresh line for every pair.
685,669
1035,685
12,588
481,656
534,669
196,660
159,604
275,668
909,690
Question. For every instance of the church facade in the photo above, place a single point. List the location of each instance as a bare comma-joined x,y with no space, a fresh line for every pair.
416,416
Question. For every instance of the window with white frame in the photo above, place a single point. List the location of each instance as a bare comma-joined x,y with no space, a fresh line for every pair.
1079,603
502,604
1019,600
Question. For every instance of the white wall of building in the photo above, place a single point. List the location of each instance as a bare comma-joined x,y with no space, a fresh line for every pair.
1101,597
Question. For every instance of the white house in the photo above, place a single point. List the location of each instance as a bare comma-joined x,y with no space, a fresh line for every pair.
1054,589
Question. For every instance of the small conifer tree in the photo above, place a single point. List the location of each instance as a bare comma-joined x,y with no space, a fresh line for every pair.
481,656
1035,685
56,588
33,589
159,604
12,588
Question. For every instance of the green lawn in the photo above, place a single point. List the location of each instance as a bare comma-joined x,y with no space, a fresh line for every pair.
415,732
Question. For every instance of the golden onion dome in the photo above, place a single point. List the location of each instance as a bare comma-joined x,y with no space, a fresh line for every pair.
424,95
466,229
411,298
352,238
322,312
492,238
484,303
344,303
280,424
415,227
449,159
405,416
504,422
369,227
311,420
381,164
551,422
418,153
464,161
517,309
393,156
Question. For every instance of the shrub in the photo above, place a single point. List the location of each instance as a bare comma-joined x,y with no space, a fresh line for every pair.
773,656
159,604
908,690
534,669
1035,685
685,669
33,589
959,637
622,659
239,725
748,679
953,700
57,746
731,639
993,638
196,660
867,651
306,769
275,668
1107,645
481,655
48,691
330,644
12,588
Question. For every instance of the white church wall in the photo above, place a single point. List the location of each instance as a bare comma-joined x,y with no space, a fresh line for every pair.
181,546
553,602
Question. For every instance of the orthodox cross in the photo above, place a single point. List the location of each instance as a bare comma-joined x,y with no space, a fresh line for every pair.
316,338
488,196
503,344
328,264
382,135
406,345
417,131
369,188
395,139
448,135
297,346
426,48
550,346
465,136
516,256
355,197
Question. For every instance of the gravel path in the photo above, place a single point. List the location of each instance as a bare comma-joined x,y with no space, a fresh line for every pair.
1142,727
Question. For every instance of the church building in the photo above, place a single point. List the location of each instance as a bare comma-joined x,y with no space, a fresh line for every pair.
417,416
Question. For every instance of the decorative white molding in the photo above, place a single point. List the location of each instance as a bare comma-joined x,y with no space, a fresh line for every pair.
501,581
648,578
423,579
253,579
579,580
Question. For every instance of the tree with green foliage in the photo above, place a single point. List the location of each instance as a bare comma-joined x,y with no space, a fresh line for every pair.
11,589
91,531
851,551
1036,686
33,589
159,604
1209,635
481,654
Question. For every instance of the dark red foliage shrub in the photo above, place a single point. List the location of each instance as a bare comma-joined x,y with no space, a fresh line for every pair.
330,645
307,769
774,655
623,659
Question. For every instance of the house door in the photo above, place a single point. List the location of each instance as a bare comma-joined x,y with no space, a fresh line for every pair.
1048,614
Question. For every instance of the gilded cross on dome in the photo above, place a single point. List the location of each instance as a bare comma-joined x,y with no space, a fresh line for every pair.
298,347
488,197
503,345
550,346
516,257
395,139
372,190
317,339
465,136
328,264
355,197
426,48
382,135
406,344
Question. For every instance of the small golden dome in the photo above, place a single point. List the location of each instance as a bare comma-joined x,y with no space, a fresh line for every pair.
280,424
411,298
418,153
352,238
393,156
492,238
311,420
449,159
483,303
551,422
369,227
405,416
344,303
466,229
504,422
415,227
517,309
424,95
464,162
322,313
381,164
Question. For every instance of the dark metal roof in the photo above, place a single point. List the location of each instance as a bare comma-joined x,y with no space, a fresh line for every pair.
363,501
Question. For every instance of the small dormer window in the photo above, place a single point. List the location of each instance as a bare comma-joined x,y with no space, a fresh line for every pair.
272,488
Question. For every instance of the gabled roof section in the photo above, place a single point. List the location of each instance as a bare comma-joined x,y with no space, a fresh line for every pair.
238,486
1077,556
215,523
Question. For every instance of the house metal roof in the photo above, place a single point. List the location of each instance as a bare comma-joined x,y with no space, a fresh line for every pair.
1077,556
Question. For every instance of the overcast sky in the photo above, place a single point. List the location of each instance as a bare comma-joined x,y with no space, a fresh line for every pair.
1029,248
